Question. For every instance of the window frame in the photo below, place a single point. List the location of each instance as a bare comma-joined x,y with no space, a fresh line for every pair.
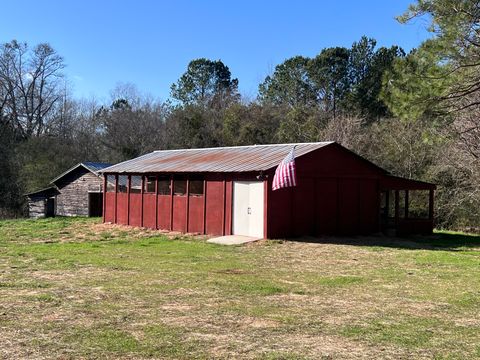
135,190
147,181
110,186
164,180
180,180
196,194
122,189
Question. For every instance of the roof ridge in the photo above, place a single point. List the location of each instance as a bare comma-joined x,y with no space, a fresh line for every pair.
245,146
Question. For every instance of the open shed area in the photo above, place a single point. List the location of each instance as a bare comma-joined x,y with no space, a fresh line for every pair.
75,288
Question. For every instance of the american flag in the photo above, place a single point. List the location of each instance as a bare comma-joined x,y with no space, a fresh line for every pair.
285,175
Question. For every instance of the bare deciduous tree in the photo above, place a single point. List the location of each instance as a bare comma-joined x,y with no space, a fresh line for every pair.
30,86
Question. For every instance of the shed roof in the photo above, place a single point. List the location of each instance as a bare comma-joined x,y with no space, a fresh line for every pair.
45,192
219,159
93,167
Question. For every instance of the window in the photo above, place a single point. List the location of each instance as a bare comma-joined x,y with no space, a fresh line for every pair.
122,183
163,186
150,184
196,187
179,187
136,184
110,183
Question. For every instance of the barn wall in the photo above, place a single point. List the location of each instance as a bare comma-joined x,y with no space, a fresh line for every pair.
122,209
195,214
215,206
164,212
110,207
135,211
210,213
74,187
180,213
37,208
149,214
337,194
324,206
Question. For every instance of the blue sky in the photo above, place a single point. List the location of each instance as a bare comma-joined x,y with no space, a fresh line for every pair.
149,43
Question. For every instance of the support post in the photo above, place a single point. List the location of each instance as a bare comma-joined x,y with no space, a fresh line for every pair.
266,188
171,203
224,206
406,203
156,202
104,192
430,205
116,196
397,207
142,192
204,225
129,185
188,205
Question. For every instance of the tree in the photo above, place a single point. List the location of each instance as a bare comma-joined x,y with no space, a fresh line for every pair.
131,127
367,66
205,82
247,124
337,80
10,182
290,84
30,81
440,83
329,72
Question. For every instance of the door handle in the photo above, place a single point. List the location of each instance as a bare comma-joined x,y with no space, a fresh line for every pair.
249,211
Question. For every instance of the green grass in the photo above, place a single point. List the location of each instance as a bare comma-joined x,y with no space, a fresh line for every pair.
74,288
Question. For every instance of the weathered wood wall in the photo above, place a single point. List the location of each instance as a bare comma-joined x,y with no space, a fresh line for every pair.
74,188
37,207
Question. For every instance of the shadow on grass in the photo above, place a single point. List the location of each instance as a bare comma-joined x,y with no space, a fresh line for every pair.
445,241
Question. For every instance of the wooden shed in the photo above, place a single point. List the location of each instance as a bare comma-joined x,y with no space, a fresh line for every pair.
228,190
76,192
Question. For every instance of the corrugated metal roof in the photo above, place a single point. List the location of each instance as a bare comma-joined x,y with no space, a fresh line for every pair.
96,166
221,159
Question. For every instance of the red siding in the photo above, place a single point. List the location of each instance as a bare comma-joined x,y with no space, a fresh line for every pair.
279,212
195,214
164,212
214,207
149,210
303,208
179,213
228,206
369,203
326,206
122,208
135,210
110,207
348,204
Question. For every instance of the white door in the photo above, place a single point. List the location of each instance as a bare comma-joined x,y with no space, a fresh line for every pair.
248,205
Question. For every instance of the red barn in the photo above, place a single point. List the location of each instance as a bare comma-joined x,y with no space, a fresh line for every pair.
228,190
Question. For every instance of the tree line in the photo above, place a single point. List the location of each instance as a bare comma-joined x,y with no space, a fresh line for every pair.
414,114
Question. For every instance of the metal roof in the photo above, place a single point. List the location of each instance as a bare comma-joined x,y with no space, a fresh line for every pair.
220,159
93,167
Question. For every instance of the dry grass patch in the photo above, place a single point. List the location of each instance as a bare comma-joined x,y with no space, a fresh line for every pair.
75,288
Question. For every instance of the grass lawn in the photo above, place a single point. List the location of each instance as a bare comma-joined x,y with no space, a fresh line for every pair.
75,288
